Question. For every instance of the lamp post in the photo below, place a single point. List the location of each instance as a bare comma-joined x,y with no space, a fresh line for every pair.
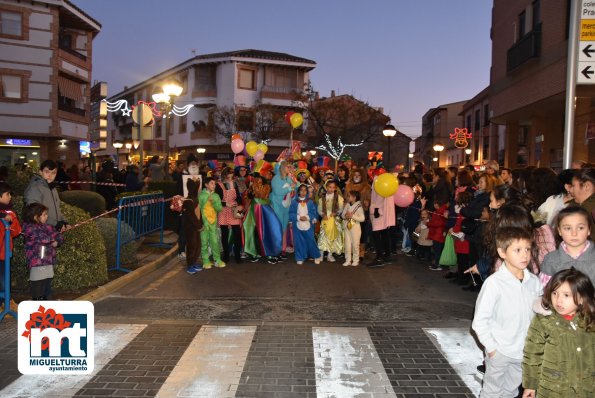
389,131
410,162
438,148
201,153
165,95
467,157
128,145
117,144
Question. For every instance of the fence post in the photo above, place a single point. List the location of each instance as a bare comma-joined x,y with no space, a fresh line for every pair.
7,255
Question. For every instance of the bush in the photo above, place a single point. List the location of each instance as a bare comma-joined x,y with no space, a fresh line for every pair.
91,202
81,260
19,180
109,232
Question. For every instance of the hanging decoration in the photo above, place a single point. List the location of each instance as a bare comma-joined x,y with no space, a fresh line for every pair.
122,105
335,150
460,137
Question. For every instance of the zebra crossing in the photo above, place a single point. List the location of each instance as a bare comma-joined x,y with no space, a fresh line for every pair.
186,360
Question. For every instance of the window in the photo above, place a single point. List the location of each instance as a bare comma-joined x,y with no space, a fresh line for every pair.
486,115
281,77
522,24
183,124
205,77
536,11
158,124
11,23
246,121
468,122
184,84
11,87
477,120
247,79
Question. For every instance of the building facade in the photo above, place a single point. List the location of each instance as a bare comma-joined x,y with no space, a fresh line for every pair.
484,141
234,85
437,126
45,79
528,84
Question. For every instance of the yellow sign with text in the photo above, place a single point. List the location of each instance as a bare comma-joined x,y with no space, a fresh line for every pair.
587,30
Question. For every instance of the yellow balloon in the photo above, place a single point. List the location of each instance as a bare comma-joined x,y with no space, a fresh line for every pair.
263,147
251,148
296,120
386,185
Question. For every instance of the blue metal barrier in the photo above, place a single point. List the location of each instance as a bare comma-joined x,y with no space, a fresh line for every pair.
7,255
144,214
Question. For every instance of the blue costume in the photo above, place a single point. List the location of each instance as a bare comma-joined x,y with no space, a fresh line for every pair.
280,201
303,231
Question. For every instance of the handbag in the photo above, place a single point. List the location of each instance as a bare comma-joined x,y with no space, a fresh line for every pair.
448,257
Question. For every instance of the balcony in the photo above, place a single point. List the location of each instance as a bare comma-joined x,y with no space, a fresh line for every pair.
527,48
71,109
73,52
283,93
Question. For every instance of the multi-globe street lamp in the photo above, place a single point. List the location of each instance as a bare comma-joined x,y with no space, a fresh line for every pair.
165,96
389,131
410,162
118,145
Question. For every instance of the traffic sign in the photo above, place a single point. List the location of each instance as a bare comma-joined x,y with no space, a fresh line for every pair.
585,72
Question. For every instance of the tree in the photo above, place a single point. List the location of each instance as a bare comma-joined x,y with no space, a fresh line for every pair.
262,123
336,123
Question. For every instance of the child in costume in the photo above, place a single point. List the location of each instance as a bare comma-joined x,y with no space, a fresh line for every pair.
303,216
330,206
282,187
230,217
192,222
210,205
353,215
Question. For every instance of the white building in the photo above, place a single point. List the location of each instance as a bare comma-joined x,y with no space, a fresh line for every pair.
45,76
237,80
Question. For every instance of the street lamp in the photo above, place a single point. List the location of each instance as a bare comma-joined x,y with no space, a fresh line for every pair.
201,152
165,95
467,153
410,162
118,145
438,148
389,131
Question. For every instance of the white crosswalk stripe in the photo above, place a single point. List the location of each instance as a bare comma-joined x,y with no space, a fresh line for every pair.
212,365
110,339
347,364
460,350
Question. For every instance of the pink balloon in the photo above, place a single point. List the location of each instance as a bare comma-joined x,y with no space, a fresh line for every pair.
404,196
237,146
259,155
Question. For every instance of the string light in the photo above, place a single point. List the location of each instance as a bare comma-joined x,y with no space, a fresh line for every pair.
336,151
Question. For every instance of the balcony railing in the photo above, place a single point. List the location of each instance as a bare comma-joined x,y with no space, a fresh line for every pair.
528,47
73,52
71,109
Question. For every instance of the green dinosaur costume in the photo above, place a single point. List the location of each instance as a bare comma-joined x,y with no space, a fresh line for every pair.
210,205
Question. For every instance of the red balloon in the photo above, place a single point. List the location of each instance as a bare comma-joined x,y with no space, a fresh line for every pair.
236,137
288,117
404,196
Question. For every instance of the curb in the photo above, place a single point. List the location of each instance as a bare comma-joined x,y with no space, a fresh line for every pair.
110,287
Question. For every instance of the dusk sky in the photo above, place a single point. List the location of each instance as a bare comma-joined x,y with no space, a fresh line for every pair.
404,55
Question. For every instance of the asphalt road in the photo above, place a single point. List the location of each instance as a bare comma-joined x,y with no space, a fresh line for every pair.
403,291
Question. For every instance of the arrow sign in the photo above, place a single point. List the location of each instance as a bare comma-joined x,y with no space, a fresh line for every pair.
588,50
587,72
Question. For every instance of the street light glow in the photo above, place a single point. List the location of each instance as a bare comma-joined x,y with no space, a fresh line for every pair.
438,147
201,150
117,144
468,151
410,156
389,130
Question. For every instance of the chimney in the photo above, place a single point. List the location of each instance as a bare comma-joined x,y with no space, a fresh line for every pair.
332,93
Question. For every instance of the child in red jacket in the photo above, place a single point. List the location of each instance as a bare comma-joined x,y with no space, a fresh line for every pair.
437,231
10,217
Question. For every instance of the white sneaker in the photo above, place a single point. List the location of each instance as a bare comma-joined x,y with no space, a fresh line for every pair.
300,262
182,256
318,260
347,263
330,258
355,263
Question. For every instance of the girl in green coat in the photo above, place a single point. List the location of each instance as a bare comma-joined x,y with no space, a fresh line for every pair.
559,354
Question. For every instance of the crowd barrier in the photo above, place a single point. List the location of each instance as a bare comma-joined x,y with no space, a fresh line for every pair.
5,294
144,214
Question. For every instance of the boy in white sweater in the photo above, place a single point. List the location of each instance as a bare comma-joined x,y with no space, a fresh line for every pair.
503,313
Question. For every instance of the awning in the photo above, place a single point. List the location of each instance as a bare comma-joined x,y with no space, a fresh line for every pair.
70,89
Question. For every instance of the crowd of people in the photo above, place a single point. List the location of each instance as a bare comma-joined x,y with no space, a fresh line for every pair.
523,238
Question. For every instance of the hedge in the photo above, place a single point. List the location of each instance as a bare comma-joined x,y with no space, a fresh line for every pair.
109,232
91,202
81,260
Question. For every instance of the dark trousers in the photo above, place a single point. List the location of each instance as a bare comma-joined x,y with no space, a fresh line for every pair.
438,246
181,235
382,243
237,241
424,253
192,246
41,290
